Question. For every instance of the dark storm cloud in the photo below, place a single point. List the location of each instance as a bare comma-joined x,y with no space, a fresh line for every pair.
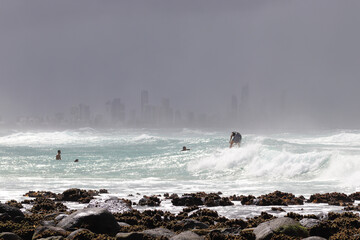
301,55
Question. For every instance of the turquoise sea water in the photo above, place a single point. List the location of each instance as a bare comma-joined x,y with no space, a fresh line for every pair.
151,161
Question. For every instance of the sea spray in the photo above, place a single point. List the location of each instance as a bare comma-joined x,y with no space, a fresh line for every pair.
151,160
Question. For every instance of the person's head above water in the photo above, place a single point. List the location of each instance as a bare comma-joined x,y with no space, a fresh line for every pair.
185,149
59,151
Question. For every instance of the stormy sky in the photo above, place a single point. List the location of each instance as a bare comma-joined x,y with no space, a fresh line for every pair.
300,59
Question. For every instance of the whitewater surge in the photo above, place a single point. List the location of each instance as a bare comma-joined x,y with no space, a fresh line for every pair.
152,160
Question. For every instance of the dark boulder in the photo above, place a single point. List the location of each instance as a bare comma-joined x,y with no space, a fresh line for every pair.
279,198
9,236
188,224
335,198
159,232
48,231
43,194
10,211
188,235
152,201
187,200
266,229
97,220
77,195
130,236
81,233
47,205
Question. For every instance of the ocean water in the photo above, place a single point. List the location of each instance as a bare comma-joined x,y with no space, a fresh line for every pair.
149,161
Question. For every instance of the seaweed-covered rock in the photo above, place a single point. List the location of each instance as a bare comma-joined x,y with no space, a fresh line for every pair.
97,220
48,231
14,203
314,238
9,236
335,198
42,194
187,200
187,224
130,236
355,196
201,198
279,225
247,200
10,211
159,232
82,233
213,200
77,195
278,198
47,205
187,235
152,201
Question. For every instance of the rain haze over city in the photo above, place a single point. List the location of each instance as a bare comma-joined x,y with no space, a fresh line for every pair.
153,63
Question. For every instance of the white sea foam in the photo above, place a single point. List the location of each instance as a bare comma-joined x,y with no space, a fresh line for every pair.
150,159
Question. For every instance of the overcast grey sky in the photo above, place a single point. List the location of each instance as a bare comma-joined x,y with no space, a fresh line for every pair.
56,54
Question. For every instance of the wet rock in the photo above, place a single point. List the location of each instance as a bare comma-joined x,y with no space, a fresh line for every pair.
279,198
48,231
201,198
42,194
277,209
113,204
159,232
247,200
309,222
9,236
61,217
48,223
81,233
124,224
10,211
102,191
130,236
174,195
14,203
335,198
187,224
314,238
267,229
152,201
77,195
190,209
47,205
213,200
352,208
52,238
188,235
97,220
355,196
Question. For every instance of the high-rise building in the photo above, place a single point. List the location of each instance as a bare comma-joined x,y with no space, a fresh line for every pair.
144,100
234,104
117,111
245,94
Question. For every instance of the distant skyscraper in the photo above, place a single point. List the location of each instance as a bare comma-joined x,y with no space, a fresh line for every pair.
117,111
144,100
245,94
234,104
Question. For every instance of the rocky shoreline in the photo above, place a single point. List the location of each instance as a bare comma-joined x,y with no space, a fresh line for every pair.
44,215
